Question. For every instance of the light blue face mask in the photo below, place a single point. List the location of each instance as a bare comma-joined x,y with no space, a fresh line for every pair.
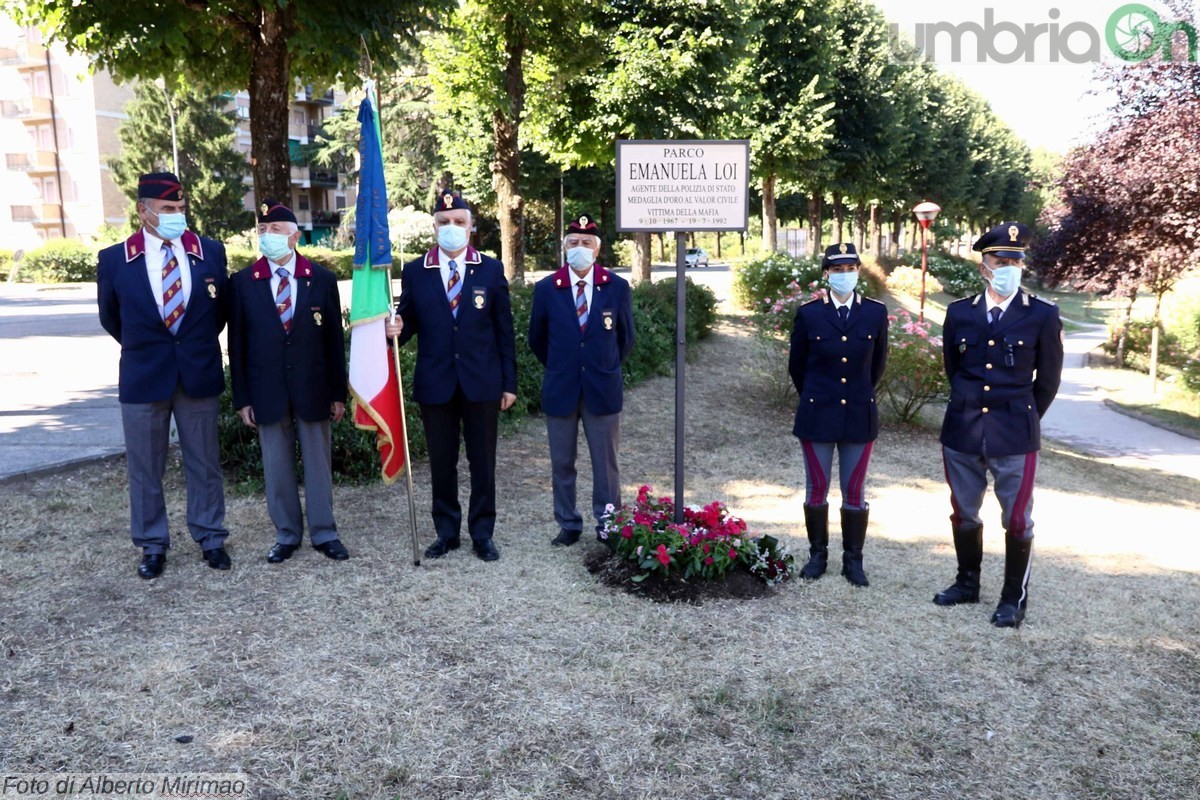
171,226
580,257
1005,280
451,237
274,245
843,283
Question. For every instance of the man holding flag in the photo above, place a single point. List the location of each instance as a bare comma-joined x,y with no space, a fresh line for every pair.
455,300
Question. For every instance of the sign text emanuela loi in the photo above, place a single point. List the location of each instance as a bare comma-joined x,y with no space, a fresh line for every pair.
683,185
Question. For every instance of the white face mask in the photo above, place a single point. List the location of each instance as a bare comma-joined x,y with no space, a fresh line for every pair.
580,258
451,238
1005,280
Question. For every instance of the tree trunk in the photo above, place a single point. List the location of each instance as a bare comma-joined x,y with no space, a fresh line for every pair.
641,258
769,234
839,219
814,223
876,228
1122,337
271,91
718,246
897,232
662,247
860,227
506,169
1154,343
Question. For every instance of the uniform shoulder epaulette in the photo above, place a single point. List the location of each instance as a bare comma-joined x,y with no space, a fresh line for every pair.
814,300
1044,300
871,299
967,299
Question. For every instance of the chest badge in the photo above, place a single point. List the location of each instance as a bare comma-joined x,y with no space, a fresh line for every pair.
212,291
479,298
608,320
317,318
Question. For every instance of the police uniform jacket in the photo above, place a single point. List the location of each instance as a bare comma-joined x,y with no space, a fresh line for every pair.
1003,380
581,362
153,360
836,368
475,350
272,369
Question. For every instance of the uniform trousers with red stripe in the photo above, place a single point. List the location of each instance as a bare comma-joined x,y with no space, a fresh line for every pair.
966,474
853,458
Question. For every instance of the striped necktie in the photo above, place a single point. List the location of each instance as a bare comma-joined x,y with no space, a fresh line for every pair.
581,309
283,300
453,288
172,290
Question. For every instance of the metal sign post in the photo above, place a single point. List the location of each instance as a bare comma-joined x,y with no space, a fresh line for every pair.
682,186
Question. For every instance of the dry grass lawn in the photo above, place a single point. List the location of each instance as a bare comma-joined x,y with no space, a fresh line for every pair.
528,679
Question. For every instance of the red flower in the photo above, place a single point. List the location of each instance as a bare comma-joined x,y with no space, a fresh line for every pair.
663,556
732,554
708,560
707,548
627,532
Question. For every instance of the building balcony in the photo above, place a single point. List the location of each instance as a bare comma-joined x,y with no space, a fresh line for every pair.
330,218
38,214
24,56
305,176
307,95
35,162
28,109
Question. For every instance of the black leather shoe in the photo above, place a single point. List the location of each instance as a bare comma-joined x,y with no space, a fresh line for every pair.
333,549
217,558
281,552
1008,615
152,565
486,550
441,547
565,538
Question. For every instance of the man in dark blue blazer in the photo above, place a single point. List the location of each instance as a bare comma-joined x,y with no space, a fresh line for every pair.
455,301
1003,352
162,295
581,329
287,364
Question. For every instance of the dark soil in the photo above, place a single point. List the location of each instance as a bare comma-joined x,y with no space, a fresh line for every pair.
618,573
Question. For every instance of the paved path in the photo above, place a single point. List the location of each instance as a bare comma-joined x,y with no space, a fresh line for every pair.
59,403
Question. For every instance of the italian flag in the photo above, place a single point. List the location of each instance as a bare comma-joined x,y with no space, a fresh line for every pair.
374,385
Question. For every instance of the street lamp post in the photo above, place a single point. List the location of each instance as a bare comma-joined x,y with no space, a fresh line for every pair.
926,213
162,85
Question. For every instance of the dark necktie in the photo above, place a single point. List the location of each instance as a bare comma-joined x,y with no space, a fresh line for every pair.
995,312
844,313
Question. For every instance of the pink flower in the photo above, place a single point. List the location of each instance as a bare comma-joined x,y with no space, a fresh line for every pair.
732,553
708,560
663,556
627,532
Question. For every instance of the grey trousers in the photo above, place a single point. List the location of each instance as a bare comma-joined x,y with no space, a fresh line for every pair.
966,473
147,429
278,444
603,434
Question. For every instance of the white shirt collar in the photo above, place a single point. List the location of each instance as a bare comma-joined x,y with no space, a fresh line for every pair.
1003,306
588,278
838,304
289,265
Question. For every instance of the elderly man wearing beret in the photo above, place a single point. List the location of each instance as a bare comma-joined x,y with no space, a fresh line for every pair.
162,296
287,364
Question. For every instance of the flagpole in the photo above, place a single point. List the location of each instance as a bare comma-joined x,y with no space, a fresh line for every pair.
412,504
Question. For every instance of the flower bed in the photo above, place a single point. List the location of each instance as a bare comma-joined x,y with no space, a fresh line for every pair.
709,545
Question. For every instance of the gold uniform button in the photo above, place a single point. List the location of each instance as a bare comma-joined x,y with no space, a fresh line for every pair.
843,380
843,401
985,410
987,388
843,359
843,338
987,366
991,342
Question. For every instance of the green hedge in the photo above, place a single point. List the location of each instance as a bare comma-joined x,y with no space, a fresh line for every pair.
355,459
759,283
59,261
340,261
5,263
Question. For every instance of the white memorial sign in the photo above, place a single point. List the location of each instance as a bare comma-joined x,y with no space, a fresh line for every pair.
683,185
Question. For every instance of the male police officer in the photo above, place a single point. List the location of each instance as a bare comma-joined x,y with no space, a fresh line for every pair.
581,329
1003,353
162,296
287,364
455,301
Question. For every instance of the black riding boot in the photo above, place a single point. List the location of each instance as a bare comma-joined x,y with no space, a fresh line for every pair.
1015,594
816,521
968,546
854,535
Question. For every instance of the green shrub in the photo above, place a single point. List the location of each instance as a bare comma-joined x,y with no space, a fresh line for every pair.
1138,338
915,374
5,263
238,258
340,261
907,280
59,261
959,277
758,283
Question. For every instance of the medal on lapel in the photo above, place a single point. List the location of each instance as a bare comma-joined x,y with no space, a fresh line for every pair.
317,318
480,299
608,320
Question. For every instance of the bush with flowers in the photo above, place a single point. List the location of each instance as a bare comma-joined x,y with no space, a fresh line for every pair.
915,374
907,280
708,544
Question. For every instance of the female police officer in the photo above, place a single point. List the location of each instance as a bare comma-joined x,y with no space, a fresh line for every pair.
839,348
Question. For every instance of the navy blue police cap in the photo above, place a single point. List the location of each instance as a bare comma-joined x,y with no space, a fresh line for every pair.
1006,240
160,186
448,201
837,254
583,224
273,211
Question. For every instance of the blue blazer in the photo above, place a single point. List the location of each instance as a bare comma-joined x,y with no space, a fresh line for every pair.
153,362
1001,381
836,368
271,369
475,350
579,362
